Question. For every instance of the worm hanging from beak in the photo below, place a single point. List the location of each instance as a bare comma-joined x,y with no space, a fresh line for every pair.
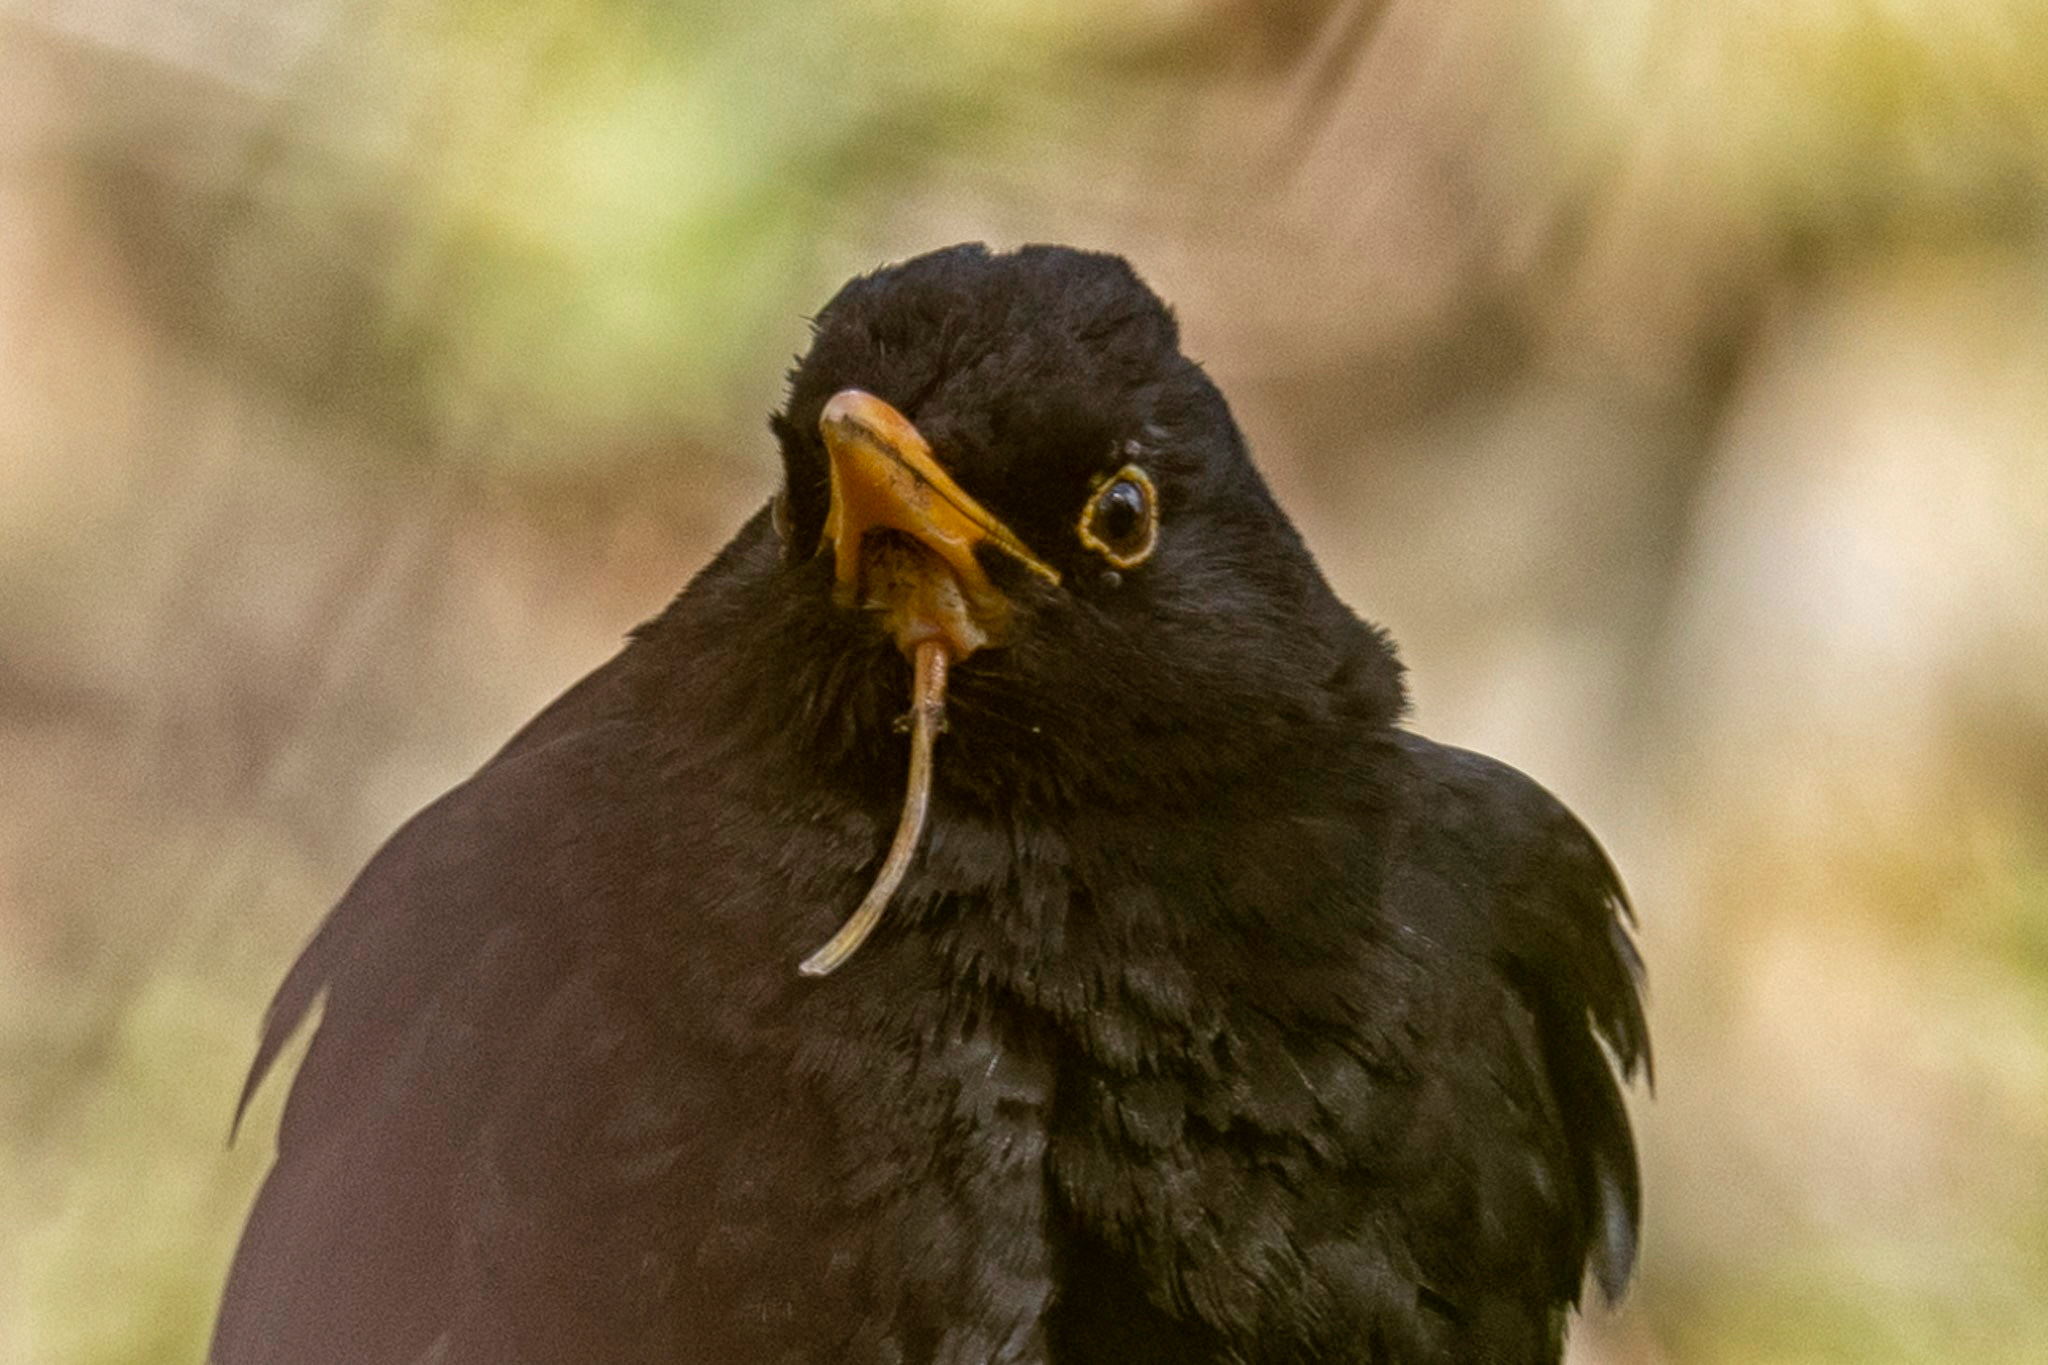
927,717
905,541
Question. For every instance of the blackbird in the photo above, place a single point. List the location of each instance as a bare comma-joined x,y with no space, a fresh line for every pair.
994,913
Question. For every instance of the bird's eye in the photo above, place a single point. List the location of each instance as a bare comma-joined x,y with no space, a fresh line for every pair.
1121,520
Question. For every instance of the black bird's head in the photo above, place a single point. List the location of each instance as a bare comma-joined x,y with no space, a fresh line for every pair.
1009,453
1000,465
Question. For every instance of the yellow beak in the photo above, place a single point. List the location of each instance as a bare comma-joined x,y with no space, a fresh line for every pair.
926,579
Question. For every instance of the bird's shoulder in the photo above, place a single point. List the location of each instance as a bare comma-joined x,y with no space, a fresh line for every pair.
471,873
1493,864
1497,858
494,1088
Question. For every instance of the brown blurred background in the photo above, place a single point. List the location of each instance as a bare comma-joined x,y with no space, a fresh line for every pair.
1671,377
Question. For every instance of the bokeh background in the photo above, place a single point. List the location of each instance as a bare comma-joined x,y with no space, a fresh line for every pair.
1670,377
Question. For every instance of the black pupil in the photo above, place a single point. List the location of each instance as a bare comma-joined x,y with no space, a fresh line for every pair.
1120,512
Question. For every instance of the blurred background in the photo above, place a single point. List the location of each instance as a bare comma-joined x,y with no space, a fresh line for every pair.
1671,378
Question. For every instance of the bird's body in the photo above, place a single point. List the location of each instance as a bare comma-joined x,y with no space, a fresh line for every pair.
1216,1018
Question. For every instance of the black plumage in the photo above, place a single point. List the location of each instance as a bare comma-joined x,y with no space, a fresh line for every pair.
1217,1017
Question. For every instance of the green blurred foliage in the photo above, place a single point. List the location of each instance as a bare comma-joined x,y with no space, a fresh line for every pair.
567,224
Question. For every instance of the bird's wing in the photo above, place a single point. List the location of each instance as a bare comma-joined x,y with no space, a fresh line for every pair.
459,948
1504,873
1396,1132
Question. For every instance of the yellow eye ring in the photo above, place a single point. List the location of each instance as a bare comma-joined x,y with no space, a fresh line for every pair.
1120,521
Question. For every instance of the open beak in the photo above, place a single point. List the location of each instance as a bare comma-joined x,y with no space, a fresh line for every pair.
925,579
